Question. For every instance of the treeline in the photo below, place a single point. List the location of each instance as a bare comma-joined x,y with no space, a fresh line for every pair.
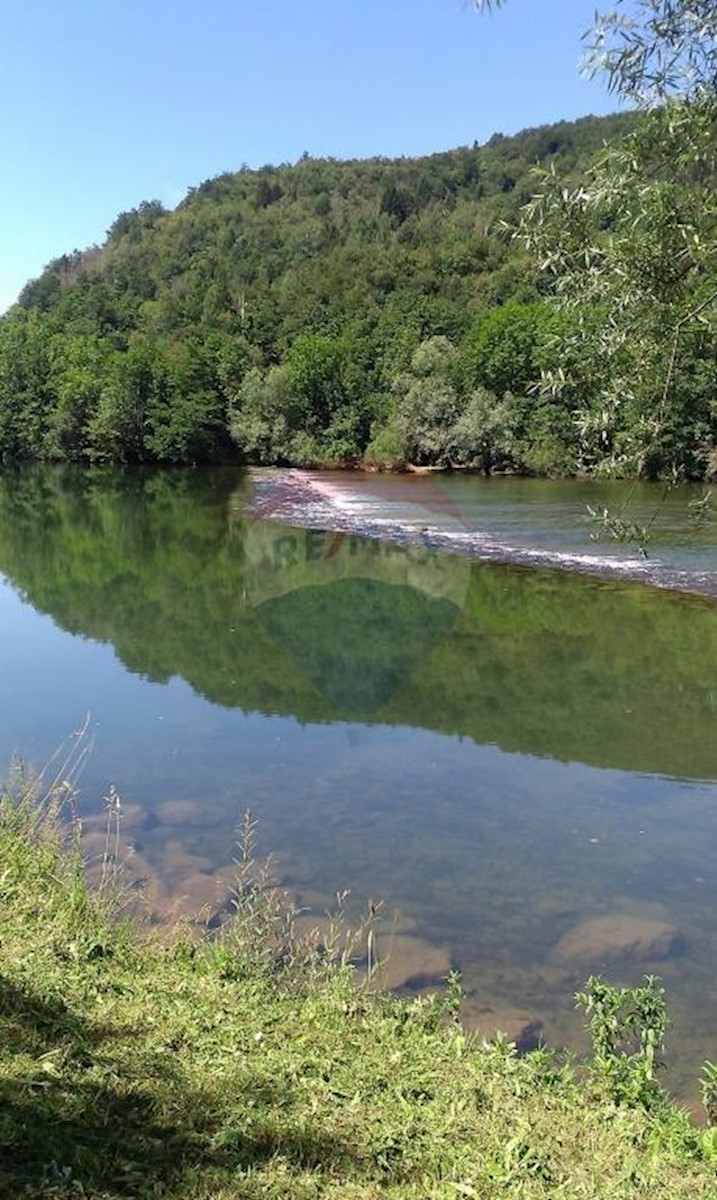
318,313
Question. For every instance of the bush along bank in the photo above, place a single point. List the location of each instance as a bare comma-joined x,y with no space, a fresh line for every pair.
253,1063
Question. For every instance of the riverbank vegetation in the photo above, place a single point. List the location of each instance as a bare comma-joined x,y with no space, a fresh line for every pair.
252,1063
630,256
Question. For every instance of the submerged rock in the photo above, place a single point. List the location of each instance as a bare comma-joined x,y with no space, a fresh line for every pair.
617,937
408,963
132,817
184,814
520,1027
400,959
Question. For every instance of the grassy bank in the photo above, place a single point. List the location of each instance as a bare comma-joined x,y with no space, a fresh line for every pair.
252,1065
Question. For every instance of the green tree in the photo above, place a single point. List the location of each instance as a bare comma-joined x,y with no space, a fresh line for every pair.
428,405
260,416
25,389
304,411
485,433
118,428
631,253
78,366
186,416
505,353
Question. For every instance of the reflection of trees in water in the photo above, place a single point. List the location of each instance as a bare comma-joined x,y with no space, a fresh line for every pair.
165,567
357,617
349,638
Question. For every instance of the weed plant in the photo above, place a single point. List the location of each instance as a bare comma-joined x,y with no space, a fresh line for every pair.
253,1063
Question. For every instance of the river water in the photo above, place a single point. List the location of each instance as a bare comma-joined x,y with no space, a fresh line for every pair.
441,693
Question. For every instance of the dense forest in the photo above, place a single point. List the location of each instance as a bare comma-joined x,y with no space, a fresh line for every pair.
325,312
535,304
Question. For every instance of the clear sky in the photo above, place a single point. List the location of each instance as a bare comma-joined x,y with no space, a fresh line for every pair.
105,104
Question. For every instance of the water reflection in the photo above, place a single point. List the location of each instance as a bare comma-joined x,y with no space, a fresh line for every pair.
329,627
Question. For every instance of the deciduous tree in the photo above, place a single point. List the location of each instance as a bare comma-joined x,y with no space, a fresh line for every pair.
631,254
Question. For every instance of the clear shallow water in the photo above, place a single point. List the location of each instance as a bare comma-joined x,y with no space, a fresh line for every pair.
522,521
498,752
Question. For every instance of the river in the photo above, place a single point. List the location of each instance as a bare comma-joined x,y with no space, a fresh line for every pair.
441,693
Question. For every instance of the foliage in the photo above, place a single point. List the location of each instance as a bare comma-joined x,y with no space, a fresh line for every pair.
303,411
632,259
627,1028
386,449
655,49
631,253
485,434
505,352
650,50
708,1088
209,1065
274,315
427,406
619,528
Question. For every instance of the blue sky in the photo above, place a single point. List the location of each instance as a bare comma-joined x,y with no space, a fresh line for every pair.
105,104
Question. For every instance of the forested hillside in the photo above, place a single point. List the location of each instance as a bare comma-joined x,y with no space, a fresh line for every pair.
322,312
